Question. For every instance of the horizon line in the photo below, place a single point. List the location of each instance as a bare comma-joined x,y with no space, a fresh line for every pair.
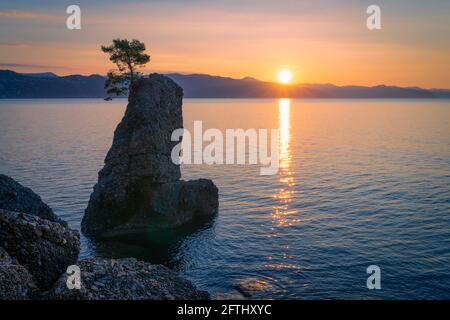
229,77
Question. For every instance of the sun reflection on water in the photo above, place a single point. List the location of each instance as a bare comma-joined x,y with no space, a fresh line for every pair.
282,212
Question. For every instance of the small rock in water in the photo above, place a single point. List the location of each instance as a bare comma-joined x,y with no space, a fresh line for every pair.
250,287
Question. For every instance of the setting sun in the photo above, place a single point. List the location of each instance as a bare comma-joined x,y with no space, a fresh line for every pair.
285,76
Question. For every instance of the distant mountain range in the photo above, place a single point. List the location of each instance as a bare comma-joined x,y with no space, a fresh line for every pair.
15,85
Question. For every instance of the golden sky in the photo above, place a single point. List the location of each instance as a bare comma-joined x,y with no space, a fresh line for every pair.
320,41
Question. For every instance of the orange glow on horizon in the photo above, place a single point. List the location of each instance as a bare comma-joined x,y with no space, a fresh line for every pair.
237,41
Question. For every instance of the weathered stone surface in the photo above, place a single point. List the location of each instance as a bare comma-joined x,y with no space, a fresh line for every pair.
15,197
142,141
181,201
138,172
16,283
171,205
126,279
43,247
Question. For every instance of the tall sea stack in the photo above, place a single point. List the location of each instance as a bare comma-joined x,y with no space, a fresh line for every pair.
139,188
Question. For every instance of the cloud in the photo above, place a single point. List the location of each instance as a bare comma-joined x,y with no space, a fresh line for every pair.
34,66
14,14
15,44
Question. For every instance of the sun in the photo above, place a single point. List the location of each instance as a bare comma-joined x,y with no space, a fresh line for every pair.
285,76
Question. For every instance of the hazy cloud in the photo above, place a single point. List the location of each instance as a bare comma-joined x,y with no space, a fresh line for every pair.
34,66
15,14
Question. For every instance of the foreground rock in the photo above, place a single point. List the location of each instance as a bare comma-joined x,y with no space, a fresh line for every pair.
15,197
43,247
126,279
16,283
35,253
139,185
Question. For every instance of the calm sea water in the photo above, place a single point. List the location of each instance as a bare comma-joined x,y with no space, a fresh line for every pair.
361,182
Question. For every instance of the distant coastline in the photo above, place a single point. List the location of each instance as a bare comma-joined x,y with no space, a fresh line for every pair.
48,85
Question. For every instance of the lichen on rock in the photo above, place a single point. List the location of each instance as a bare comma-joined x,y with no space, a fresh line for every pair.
126,279
43,247
16,283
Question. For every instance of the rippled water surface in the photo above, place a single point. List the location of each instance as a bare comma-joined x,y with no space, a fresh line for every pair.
361,182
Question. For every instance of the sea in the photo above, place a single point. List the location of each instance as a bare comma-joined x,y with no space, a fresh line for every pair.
360,183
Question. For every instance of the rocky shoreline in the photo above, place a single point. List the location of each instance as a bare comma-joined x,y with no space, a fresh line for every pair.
138,188
35,254
125,279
